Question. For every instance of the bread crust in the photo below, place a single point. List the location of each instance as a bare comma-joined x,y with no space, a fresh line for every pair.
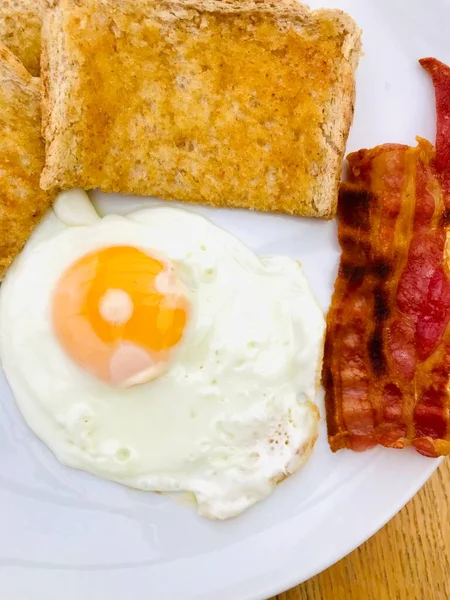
21,157
244,103
20,30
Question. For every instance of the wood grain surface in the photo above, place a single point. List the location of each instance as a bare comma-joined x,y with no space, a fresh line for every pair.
409,559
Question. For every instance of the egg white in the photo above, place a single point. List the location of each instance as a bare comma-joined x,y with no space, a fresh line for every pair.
231,416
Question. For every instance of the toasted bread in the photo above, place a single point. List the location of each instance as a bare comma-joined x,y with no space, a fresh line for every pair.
20,30
243,103
21,157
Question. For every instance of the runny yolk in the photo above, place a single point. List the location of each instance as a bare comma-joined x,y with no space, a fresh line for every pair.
120,313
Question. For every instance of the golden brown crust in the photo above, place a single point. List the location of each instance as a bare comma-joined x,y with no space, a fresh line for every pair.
229,103
20,30
21,157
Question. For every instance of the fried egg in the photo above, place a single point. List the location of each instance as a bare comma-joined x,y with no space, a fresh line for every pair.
156,350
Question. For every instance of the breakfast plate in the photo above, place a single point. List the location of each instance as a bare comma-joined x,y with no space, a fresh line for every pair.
65,533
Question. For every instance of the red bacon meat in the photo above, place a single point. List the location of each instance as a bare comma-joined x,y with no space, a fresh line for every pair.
386,366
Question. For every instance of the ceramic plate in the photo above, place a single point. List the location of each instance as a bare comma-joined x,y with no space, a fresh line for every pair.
65,534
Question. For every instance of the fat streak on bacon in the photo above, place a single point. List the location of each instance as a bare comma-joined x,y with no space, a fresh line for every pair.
386,366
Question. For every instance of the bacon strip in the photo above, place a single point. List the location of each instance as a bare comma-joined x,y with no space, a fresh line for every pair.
387,352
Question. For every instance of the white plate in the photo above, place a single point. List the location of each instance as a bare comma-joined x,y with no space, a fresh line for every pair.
65,534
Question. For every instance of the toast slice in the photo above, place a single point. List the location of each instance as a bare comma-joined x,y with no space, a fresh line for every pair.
21,157
243,103
20,30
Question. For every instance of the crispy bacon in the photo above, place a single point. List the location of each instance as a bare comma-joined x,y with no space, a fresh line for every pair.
387,353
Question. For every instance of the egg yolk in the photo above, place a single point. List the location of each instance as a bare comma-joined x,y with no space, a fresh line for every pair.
120,313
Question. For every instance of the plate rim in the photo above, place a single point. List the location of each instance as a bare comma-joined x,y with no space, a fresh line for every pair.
292,582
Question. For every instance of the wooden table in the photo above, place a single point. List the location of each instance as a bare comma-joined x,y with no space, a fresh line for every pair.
409,559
